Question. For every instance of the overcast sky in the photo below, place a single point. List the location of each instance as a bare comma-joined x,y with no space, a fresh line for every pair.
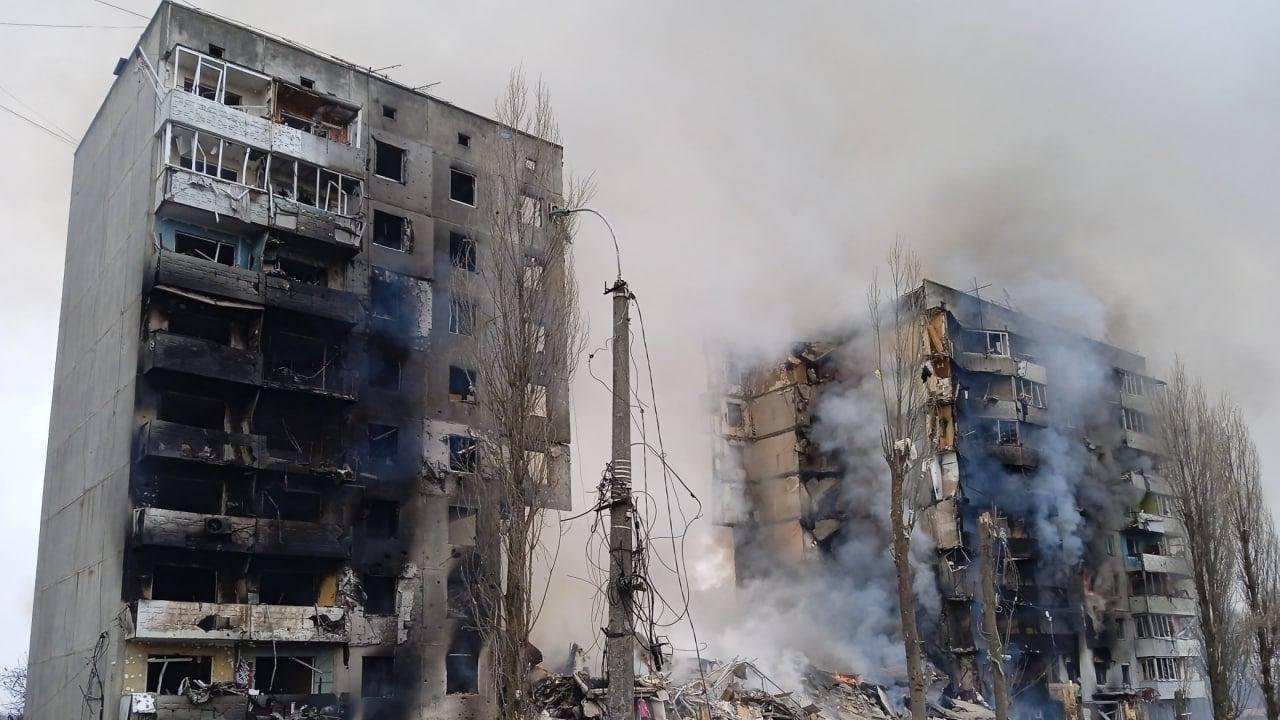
1112,166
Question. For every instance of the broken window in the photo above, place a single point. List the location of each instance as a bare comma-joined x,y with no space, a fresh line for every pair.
291,504
384,296
185,494
1162,669
462,385
1029,393
322,115
315,186
381,518
530,164
377,676
215,51
298,271
1155,626
462,187
462,316
462,453
1164,505
530,211
464,140
735,415
301,360
384,443
537,400
389,162
462,252
380,595
988,342
195,410
288,588
1100,673
461,664
219,251
165,673
1132,420
388,230
182,583
1006,432
535,464
211,155
213,78
384,367
283,674
196,324
388,112
1132,384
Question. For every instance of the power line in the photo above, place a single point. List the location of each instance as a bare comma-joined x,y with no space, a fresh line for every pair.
82,27
37,113
122,9
28,120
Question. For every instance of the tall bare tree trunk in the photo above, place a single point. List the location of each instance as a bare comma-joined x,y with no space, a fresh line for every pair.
995,646
900,348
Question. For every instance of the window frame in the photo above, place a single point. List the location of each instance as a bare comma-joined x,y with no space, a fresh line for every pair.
475,184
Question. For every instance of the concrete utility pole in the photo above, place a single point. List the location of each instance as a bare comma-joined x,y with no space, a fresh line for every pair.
995,647
620,636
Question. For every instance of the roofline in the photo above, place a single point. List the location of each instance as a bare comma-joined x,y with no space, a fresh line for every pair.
366,71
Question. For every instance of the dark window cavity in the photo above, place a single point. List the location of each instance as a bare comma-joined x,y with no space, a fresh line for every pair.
181,583
377,676
388,230
390,162
460,665
223,253
462,384
307,82
384,367
462,187
462,252
384,297
165,673
196,410
283,674
286,588
380,595
462,453
215,51
384,442
464,140
388,112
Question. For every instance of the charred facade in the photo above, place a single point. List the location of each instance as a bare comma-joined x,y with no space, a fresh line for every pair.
265,394
1050,432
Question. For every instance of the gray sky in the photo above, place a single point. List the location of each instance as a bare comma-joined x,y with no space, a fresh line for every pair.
1112,165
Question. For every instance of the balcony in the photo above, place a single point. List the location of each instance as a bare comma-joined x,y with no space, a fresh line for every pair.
197,356
339,305
1014,455
164,439
195,531
1002,365
1170,564
1163,604
1165,647
237,707
1168,689
999,409
209,278
203,622
328,382
1142,442
234,123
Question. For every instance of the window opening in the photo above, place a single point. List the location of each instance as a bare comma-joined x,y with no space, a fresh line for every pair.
462,187
462,385
462,252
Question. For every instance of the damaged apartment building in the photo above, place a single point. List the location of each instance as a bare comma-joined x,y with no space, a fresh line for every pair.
265,398
1049,432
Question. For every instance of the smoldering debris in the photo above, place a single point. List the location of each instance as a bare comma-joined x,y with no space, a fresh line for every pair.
738,690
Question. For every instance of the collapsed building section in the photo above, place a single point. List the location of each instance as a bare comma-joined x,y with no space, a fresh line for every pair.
1049,432
252,502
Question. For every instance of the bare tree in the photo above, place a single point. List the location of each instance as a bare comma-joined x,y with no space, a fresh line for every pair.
13,685
1193,434
522,307
900,350
1259,553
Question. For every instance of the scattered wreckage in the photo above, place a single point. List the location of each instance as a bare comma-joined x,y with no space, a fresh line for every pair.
738,690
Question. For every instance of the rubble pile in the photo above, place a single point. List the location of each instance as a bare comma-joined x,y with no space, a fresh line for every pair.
738,690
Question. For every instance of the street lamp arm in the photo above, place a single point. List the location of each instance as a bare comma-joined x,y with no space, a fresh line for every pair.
557,212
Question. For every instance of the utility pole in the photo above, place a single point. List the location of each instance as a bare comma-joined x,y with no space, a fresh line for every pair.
995,647
620,635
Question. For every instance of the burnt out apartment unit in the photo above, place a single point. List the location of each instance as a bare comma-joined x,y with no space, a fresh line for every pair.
265,393
1051,433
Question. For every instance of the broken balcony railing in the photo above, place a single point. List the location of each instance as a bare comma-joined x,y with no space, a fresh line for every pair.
281,176
264,96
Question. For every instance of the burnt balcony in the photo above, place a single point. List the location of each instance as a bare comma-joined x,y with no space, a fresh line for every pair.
265,536
328,382
198,356
1014,455
338,305
1003,409
177,270
165,439
240,707
203,622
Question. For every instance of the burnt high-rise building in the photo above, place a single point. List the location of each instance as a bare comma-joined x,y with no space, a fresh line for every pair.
1049,433
265,393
